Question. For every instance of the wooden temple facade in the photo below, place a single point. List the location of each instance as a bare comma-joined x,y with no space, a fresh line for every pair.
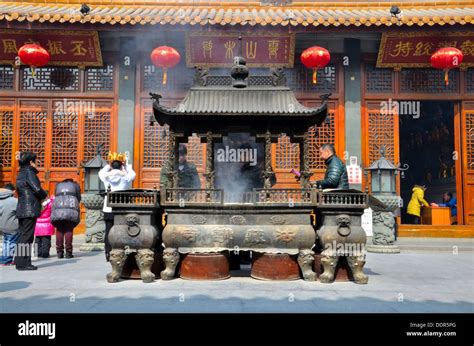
64,112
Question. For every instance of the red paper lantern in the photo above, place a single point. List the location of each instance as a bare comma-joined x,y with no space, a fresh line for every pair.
446,59
314,58
34,55
165,57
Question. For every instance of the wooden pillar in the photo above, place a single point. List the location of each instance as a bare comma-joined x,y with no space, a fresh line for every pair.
268,172
172,163
210,173
304,162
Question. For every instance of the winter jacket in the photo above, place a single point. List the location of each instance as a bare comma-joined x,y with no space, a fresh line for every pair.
452,203
417,201
66,208
43,223
335,176
117,180
8,205
30,193
187,177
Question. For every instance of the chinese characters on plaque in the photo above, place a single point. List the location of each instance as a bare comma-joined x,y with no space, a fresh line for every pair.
414,49
218,49
67,48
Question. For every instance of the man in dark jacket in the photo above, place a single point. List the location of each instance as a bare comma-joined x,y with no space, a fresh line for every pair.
187,173
30,195
336,174
66,215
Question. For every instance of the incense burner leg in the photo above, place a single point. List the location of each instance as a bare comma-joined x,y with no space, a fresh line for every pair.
171,259
329,263
145,259
356,263
117,261
305,261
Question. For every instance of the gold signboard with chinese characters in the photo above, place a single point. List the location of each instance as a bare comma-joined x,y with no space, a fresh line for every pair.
67,48
414,49
218,49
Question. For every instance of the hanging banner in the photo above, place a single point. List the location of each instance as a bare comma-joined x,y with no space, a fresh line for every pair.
218,49
67,48
414,49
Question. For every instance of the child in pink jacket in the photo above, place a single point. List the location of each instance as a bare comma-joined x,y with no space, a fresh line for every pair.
44,229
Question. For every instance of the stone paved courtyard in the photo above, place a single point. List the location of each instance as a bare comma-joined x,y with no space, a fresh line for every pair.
423,278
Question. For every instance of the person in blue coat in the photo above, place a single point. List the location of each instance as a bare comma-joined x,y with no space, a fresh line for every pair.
450,201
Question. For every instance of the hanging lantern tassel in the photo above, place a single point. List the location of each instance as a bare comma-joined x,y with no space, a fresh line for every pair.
446,77
165,76
315,75
33,71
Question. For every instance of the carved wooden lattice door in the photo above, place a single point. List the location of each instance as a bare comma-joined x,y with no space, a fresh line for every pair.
63,134
380,129
467,140
33,132
79,126
7,143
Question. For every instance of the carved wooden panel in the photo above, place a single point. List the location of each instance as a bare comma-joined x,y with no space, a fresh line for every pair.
50,78
300,78
381,130
6,128
470,80
6,77
469,123
428,80
378,80
32,133
468,160
155,145
65,136
287,154
100,79
319,136
97,125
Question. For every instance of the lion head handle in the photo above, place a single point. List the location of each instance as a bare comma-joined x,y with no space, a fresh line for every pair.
133,227
343,222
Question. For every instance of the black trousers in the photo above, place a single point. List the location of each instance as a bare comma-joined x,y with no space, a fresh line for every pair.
109,222
43,244
414,220
27,235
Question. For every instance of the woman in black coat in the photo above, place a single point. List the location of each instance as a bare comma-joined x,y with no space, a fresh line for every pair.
30,195
66,215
